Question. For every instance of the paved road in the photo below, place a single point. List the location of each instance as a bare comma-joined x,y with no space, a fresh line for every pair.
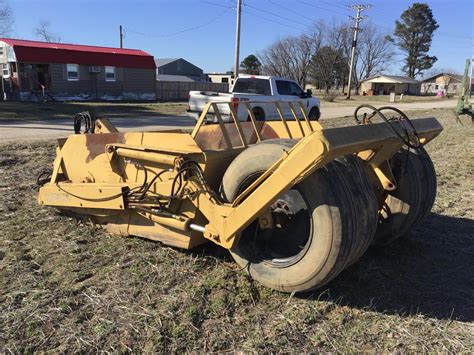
50,129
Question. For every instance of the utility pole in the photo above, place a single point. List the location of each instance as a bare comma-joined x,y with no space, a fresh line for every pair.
121,37
237,39
357,19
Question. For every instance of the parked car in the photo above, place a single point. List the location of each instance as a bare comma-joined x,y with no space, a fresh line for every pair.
260,92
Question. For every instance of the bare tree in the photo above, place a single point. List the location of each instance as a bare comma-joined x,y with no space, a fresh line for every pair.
374,54
294,56
42,31
328,66
6,19
339,36
291,56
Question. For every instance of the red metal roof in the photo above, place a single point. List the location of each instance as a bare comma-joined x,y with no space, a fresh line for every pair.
44,52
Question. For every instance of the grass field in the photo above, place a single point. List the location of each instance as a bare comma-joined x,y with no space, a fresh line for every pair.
32,111
68,286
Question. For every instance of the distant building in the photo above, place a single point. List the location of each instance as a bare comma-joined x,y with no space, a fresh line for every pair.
31,69
178,69
227,78
447,83
385,84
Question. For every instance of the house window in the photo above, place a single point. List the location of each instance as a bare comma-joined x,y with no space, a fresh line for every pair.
436,87
455,87
225,80
5,70
109,73
2,51
72,72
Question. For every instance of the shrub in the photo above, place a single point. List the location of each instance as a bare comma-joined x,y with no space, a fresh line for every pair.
330,96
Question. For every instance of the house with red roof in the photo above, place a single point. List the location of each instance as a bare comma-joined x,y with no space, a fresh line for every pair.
33,70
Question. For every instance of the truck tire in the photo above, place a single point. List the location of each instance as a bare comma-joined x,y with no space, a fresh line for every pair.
316,213
411,202
258,113
314,114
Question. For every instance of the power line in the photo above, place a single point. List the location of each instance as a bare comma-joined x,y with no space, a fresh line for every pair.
184,30
321,8
335,5
219,5
291,10
270,20
273,14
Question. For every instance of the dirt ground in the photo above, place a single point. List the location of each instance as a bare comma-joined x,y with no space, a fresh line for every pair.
68,286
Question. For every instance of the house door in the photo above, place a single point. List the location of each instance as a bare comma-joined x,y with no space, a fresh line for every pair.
42,77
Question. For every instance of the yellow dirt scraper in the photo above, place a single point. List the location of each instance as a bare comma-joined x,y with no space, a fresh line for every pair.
293,202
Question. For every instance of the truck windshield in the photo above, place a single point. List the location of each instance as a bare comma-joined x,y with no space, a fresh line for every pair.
252,86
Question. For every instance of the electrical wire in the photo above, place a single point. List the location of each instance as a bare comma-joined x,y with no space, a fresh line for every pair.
212,20
272,14
290,10
270,20
321,8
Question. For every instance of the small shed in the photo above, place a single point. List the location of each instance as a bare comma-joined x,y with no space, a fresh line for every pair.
386,84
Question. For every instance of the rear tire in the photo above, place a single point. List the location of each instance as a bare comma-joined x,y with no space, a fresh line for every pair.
314,114
258,113
411,202
316,245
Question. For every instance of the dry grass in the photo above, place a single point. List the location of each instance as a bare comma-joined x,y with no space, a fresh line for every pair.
355,100
10,111
65,285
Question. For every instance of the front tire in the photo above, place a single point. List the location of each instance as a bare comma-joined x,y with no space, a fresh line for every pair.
316,230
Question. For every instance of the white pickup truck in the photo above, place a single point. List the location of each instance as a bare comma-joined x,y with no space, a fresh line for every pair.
260,92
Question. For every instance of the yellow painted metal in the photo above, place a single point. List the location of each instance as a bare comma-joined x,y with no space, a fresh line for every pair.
103,125
253,120
306,156
141,154
222,125
83,195
283,119
91,173
295,116
201,119
238,126
179,223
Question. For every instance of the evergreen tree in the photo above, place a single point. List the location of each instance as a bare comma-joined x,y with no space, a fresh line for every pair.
251,65
414,34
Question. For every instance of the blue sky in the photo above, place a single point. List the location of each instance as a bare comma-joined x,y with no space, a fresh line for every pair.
203,31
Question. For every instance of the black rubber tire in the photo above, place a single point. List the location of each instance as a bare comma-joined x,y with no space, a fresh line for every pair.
353,175
427,179
364,202
259,113
314,114
332,233
413,198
